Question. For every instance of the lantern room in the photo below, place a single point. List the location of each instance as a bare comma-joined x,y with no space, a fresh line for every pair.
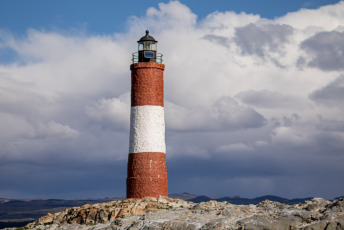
147,50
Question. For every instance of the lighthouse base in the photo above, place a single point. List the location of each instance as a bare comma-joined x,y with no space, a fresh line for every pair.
147,175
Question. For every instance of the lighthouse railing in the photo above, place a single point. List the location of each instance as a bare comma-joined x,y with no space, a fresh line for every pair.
135,58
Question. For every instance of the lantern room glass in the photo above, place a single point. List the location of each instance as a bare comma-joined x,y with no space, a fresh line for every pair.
148,46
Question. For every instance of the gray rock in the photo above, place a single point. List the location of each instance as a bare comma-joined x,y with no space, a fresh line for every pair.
256,222
336,206
177,225
321,225
315,204
166,213
306,216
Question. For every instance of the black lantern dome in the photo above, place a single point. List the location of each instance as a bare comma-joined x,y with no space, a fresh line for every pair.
147,38
147,50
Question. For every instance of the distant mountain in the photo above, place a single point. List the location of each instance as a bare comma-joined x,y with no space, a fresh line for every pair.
200,199
246,201
183,196
188,196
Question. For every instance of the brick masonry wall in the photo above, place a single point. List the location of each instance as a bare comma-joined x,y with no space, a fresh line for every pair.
147,175
147,172
147,84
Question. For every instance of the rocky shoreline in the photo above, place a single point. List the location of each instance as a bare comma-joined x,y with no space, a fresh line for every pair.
168,213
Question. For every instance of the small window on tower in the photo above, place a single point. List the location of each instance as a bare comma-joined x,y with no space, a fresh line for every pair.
140,46
148,54
153,47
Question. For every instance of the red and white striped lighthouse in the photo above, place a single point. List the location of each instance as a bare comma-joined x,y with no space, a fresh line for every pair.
147,173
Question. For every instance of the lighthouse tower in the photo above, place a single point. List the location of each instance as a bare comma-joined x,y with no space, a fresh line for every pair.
147,173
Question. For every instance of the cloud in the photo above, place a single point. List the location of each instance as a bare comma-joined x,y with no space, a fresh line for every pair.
226,22
268,99
217,39
311,21
225,114
289,136
331,125
268,39
169,16
53,129
238,147
113,112
331,94
240,112
325,50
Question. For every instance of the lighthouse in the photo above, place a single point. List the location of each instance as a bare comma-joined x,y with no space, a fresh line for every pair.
147,172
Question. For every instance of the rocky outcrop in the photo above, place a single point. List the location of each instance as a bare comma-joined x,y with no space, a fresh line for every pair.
167,213
105,212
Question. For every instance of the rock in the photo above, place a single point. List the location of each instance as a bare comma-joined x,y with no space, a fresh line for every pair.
167,213
304,216
271,204
314,204
321,225
47,219
169,225
287,222
336,206
256,222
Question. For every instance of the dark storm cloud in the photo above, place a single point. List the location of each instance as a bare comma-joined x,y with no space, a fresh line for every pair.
326,50
262,40
330,95
77,179
329,144
280,171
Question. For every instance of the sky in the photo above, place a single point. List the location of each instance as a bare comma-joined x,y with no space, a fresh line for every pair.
253,96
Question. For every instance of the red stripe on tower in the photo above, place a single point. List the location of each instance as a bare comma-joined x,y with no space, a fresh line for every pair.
147,172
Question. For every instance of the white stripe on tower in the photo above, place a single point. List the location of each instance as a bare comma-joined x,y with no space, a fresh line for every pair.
147,129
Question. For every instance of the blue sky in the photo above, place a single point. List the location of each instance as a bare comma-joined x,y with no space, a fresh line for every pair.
108,16
253,96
